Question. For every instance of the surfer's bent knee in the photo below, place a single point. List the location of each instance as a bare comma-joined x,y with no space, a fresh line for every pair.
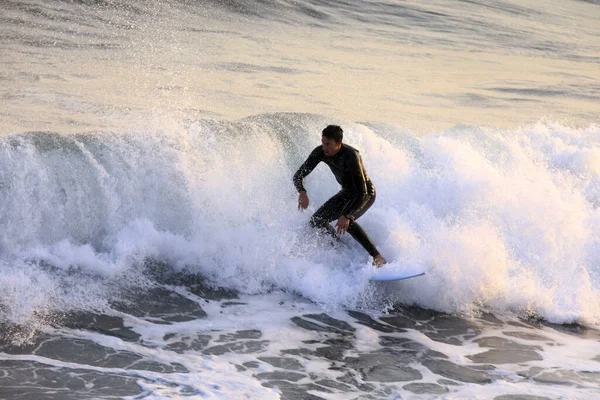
316,222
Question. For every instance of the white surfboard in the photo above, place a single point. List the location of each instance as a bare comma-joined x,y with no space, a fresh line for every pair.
383,274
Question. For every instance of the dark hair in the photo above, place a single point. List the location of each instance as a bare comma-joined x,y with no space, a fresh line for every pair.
334,132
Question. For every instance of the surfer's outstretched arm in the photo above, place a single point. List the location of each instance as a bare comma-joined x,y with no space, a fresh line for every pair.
306,168
303,201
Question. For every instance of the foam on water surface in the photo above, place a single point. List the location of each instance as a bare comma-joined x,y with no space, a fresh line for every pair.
281,345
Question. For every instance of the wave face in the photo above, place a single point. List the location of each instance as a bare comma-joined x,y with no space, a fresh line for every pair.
502,221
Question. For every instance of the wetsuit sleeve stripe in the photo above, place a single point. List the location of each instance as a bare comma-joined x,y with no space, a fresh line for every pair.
360,184
306,168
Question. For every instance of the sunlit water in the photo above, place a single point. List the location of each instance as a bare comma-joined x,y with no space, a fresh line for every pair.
150,244
91,66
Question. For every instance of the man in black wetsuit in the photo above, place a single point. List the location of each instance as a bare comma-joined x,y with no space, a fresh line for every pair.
355,198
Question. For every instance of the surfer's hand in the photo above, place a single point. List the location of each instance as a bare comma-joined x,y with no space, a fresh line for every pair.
342,225
302,201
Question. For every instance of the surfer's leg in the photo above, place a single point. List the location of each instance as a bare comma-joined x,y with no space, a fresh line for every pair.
359,234
329,211
332,210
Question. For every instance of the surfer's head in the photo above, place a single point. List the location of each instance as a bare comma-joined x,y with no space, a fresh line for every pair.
333,132
332,140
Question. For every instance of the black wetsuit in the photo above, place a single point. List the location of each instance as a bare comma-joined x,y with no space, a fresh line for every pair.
355,198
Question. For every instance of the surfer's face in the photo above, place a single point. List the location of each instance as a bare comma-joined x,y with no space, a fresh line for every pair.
330,146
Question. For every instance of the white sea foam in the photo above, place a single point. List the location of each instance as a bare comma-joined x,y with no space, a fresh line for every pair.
505,221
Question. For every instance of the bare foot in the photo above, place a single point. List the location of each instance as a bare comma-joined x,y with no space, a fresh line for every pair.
379,261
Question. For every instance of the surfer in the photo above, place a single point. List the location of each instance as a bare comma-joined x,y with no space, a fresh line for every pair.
355,198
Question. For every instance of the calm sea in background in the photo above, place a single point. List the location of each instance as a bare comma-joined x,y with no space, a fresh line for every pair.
150,245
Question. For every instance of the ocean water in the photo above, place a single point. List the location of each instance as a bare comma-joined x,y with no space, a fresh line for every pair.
150,243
